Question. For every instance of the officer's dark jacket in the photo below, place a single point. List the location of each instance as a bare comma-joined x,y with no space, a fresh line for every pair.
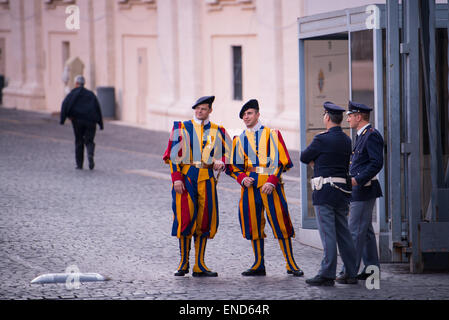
330,151
366,162
81,104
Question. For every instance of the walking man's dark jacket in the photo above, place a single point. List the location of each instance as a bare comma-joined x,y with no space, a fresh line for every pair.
82,104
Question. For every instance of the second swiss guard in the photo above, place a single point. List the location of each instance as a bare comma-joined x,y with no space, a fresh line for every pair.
258,159
195,150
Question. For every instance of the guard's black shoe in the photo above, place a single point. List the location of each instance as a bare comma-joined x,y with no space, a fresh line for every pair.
79,168
91,163
296,273
320,281
205,274
254,273
345,279
181,273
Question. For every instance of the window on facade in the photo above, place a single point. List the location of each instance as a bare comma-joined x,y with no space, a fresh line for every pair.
65,52
237,72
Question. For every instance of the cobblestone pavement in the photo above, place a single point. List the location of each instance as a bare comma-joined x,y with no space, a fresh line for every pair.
116,220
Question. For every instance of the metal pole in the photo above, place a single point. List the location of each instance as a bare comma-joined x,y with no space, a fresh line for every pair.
446,180
428,47
352,132
384,250
302,136
411,146
394,129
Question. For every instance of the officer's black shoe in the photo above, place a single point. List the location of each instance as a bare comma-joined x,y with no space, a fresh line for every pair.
205,274
91,163
79,168
320,281
181,273
345,279
363,276
296,273
254,273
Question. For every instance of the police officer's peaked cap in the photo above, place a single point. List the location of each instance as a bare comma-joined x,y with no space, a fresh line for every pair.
204,100
251,104
355,107
333,108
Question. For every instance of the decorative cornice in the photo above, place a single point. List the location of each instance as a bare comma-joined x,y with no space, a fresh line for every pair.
217,5
128,4
4,4
52,4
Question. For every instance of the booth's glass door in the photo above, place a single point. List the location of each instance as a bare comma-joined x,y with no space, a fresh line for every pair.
326,63
337,68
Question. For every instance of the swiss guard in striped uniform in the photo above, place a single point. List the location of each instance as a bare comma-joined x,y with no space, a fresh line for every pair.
258,158
196,148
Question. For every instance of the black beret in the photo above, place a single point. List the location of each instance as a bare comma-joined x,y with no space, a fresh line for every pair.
204,100
332,108
355,107
251,104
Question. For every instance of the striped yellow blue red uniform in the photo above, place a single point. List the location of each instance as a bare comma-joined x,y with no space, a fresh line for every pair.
264,149
195,211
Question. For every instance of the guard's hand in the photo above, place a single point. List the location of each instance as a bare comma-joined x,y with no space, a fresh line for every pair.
219,166
312,163
248,182
354,182
267,188
179,187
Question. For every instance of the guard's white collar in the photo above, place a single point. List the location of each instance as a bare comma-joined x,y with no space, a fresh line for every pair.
256,127
203,122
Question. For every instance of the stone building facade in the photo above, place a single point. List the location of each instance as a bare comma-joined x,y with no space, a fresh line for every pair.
160,56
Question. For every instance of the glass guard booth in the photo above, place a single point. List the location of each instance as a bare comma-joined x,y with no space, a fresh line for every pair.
342,57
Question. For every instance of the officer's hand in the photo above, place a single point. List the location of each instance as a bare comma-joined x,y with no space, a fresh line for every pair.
312,164
354,182
267,188
247,182
179,187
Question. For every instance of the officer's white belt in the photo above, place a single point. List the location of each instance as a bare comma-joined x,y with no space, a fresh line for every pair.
369,182
317,182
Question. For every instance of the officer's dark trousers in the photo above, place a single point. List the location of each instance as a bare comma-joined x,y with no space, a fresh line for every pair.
84,135
333,227
361,228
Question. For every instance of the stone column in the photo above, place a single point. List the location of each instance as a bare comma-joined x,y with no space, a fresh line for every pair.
87,40
271,59
26,90
190,48
167,14
287,114
104,52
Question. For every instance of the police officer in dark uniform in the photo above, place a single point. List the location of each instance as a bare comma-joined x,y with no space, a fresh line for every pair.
329,154
82,107
366,162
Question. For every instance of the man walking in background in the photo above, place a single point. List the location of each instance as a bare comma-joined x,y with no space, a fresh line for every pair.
82,107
